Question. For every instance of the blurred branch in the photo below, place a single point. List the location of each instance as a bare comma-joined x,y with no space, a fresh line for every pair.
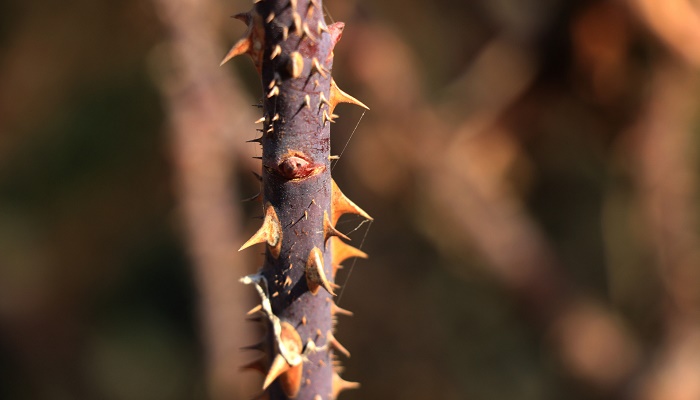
667,156
200,97
463,161
674,22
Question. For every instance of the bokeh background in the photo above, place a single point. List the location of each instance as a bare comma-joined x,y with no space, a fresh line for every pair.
532,167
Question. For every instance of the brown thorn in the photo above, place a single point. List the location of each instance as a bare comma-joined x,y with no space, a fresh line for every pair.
329,230
315,273
335,310
336,344
340,384
341,251
340,205
256,365
317,67
278,367
257,346
275,52
254,310
270,232
338,96
258,140
273,92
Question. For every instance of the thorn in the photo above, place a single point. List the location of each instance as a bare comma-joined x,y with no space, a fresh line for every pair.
270,17
341,251
307,32
257,197
256,365
340,384
336,344
287,281
257,176
307,101
261,120
257,158
270,129
295,65
333,158
274,92
315,273
276,117
241,47
321,27
258,140
270,232
278,367
316,66
285,33
297,22
303,320
338,96
327,118
322,100
293,4
340,205
257,346
254,310
329,230
335,310
275,52
289,375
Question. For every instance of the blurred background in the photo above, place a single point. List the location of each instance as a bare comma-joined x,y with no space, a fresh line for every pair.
532,167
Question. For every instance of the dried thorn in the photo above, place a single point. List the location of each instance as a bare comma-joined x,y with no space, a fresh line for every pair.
340,384
327,118
341,251
257,365
322,100
336,344
340,205
275,52
297,23
254,309
307,32
329,230
289,375
317,67
270,232
257,346
274,92
257,158
335,310
258,140
315,273
322,27
338,96
257,197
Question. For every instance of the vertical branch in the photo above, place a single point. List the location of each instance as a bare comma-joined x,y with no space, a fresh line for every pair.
292,49
199,96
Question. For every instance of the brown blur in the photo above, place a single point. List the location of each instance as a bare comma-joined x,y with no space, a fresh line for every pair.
532,167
